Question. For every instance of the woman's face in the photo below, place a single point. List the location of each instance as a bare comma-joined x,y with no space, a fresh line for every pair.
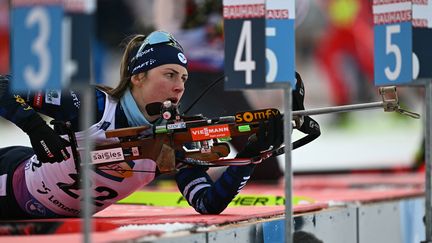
165,82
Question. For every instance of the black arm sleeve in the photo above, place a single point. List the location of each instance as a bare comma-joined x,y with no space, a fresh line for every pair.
208,197
20,108
13,107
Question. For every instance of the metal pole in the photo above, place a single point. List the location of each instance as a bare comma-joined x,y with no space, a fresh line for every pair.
83,25
81,85
289,229
335,109
428,161
86,205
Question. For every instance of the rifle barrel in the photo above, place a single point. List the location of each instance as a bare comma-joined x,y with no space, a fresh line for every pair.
337,109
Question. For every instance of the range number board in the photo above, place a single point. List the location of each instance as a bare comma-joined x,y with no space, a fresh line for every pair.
36,40
244,32
401,31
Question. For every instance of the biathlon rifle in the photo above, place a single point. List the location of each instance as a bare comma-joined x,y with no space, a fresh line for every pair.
184,140
199,141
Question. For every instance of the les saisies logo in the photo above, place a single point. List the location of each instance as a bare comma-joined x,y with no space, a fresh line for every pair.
107,155
210,132
256,115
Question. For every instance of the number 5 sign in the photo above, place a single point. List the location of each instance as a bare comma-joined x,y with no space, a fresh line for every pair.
280,42
400,56
36,45
244,24
392,48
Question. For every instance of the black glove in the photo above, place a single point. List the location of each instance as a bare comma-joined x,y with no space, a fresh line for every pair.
270,135
298,94
309,127
47,144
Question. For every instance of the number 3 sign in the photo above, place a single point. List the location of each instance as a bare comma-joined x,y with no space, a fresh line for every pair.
36,46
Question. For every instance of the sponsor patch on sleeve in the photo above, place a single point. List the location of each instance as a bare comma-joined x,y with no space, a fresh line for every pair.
38,100
53,97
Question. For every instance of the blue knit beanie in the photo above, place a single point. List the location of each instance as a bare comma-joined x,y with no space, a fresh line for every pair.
156,55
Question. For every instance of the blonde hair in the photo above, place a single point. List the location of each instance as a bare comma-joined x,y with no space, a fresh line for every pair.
133,42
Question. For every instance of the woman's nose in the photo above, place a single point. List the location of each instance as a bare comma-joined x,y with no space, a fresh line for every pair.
179,86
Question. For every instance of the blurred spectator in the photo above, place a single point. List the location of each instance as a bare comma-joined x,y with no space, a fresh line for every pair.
202,32
171,14
346,41
4,37
198,12
114,22
143,12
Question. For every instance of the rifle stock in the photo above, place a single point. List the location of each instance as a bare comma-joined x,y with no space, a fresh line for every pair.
164,147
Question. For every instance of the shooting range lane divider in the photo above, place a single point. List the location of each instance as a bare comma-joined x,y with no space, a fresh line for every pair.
176,199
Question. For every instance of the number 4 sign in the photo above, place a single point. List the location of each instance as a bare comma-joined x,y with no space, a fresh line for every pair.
244,24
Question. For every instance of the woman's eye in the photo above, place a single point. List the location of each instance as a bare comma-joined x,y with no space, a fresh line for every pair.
170,75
